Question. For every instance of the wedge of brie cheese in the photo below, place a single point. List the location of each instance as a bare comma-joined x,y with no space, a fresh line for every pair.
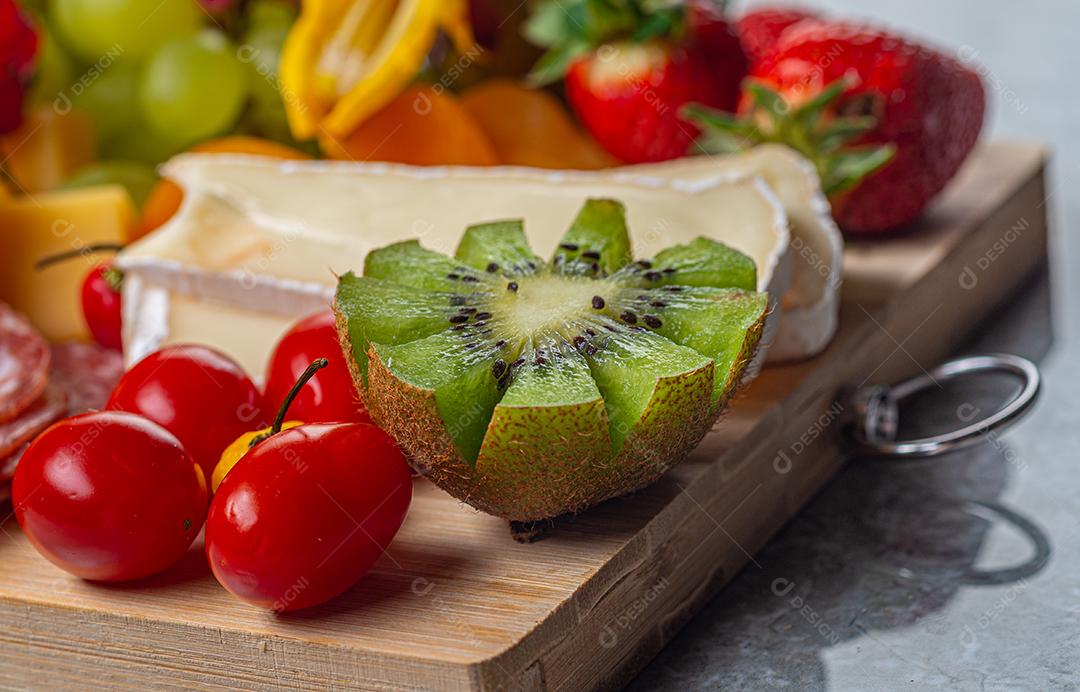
812,304
257,244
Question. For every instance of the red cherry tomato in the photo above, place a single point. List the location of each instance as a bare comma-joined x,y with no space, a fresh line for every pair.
196,393
101,305
330,397
109,496
306,513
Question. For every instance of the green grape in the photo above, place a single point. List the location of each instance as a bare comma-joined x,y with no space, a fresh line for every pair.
262,14
108,30
54,71
193,88
261,53
111,100
140,144
269,121
137,178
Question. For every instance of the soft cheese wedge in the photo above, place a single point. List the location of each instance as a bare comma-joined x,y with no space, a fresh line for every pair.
811,305
259,243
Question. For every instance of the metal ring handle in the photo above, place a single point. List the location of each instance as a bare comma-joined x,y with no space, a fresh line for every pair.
873,423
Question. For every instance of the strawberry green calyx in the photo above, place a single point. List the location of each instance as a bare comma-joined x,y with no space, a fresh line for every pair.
829,139
570,29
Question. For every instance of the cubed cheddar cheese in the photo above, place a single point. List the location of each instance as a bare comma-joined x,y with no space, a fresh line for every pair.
37,226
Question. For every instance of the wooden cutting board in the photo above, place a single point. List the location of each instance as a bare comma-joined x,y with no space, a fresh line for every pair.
456,604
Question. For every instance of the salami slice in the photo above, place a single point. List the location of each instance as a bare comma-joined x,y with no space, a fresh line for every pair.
7,466
24,364
50,407
87,372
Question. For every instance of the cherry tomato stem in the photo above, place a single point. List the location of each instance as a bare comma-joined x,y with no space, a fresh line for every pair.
279,420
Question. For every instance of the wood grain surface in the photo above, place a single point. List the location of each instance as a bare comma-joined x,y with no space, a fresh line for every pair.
456,604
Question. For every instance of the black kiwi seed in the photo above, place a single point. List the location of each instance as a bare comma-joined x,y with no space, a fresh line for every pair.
673,289
658,303
598,303
579,341
498,368
457,300
500,343
590,332
532,266
591,254
466,311
492,268
471,345
512,286
483,315
505,381
628,317
518,363
610,328
458,328
653,321
540,360
568,246
453,277
652,276
644,264
668,270
594,267
469,279
458,319
590,349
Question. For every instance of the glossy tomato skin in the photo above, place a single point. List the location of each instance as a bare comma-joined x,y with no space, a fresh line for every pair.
330,396
306,513
198,394
109,496
101,305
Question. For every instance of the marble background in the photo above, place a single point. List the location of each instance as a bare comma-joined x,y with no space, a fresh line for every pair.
961,573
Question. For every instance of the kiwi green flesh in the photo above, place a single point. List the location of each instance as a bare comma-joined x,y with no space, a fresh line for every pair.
459,373
701,262
597,242
715,322
628,367
409,264
499,247
391,313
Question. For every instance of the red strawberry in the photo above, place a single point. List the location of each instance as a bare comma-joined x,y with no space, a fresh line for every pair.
628,76
760,30
18,44
851,98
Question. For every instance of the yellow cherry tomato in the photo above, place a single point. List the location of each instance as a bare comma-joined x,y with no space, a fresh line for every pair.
236,451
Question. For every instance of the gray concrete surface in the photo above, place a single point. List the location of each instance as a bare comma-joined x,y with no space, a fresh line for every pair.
961,573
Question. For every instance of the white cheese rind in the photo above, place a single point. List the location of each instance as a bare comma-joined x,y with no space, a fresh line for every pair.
270,237
811,307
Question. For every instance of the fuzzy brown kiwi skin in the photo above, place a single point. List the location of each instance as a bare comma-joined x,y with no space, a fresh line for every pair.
347,350
575,460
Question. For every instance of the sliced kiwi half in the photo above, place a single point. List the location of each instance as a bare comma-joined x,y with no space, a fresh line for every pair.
532,388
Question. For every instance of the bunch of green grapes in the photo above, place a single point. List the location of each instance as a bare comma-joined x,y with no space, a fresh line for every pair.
158,77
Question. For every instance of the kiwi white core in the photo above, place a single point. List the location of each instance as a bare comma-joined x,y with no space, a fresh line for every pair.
549,303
